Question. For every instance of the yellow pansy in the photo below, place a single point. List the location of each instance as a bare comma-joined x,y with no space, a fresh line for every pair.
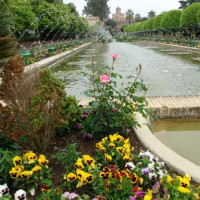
79,164
120,150
111,145
184,190
19,168
17,160
169,179
36,169
108,158
89,178
14,173
26,175
188,177
71,177
147,197
42,160
183,181
134,178
127,157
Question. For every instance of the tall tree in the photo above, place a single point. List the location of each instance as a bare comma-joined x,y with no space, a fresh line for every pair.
138,17
151,14
6,39
186,3
129,15
97,8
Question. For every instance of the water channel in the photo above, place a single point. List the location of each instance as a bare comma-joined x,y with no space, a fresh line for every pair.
166,70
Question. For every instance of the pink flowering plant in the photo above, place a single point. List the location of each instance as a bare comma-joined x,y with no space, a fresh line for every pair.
113,105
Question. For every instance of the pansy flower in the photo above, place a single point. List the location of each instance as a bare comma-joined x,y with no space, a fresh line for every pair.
14,173
17,161
71,177
26,175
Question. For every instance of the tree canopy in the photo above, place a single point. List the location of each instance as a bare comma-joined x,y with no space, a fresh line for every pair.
186,3
129,15
6,39
97,8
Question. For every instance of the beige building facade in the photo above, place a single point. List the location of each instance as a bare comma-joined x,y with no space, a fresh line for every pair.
120,18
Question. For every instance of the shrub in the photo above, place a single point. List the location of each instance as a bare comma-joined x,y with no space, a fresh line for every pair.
112,109
157,21
171,19
12,73
189,16
40,107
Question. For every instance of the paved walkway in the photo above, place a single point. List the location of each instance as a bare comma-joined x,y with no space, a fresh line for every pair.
177,106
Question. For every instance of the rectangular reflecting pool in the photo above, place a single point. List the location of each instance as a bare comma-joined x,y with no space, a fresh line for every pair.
180,135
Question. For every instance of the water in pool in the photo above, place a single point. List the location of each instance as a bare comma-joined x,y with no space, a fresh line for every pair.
166,71
180,135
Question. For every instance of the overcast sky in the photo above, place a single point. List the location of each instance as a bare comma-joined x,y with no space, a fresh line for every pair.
138,6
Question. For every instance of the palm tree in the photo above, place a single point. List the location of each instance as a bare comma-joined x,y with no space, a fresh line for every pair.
138,17
129,15
6,39
151,14
186,3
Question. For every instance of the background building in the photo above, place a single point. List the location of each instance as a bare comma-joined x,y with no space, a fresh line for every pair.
120,18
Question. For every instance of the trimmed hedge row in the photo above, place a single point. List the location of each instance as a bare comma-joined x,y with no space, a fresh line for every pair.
187,21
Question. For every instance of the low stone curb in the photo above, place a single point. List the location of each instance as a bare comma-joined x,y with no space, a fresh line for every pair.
53,60
172,159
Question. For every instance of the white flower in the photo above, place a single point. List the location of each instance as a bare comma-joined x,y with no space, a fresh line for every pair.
20,195
161,173
151,166
4,190
32,192
130,165
152,176
152,158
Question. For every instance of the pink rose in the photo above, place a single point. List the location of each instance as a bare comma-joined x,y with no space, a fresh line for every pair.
114,56
104,78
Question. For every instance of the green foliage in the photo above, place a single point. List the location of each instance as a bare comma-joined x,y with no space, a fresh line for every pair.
6,165
24,18
157,21
46,20
111,111
6,40
54,194
48,109
67,156
189,16
8,144
97,8
171,19
71,113
111,23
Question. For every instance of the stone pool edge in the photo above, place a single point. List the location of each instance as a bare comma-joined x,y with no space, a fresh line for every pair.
176,162
53,60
